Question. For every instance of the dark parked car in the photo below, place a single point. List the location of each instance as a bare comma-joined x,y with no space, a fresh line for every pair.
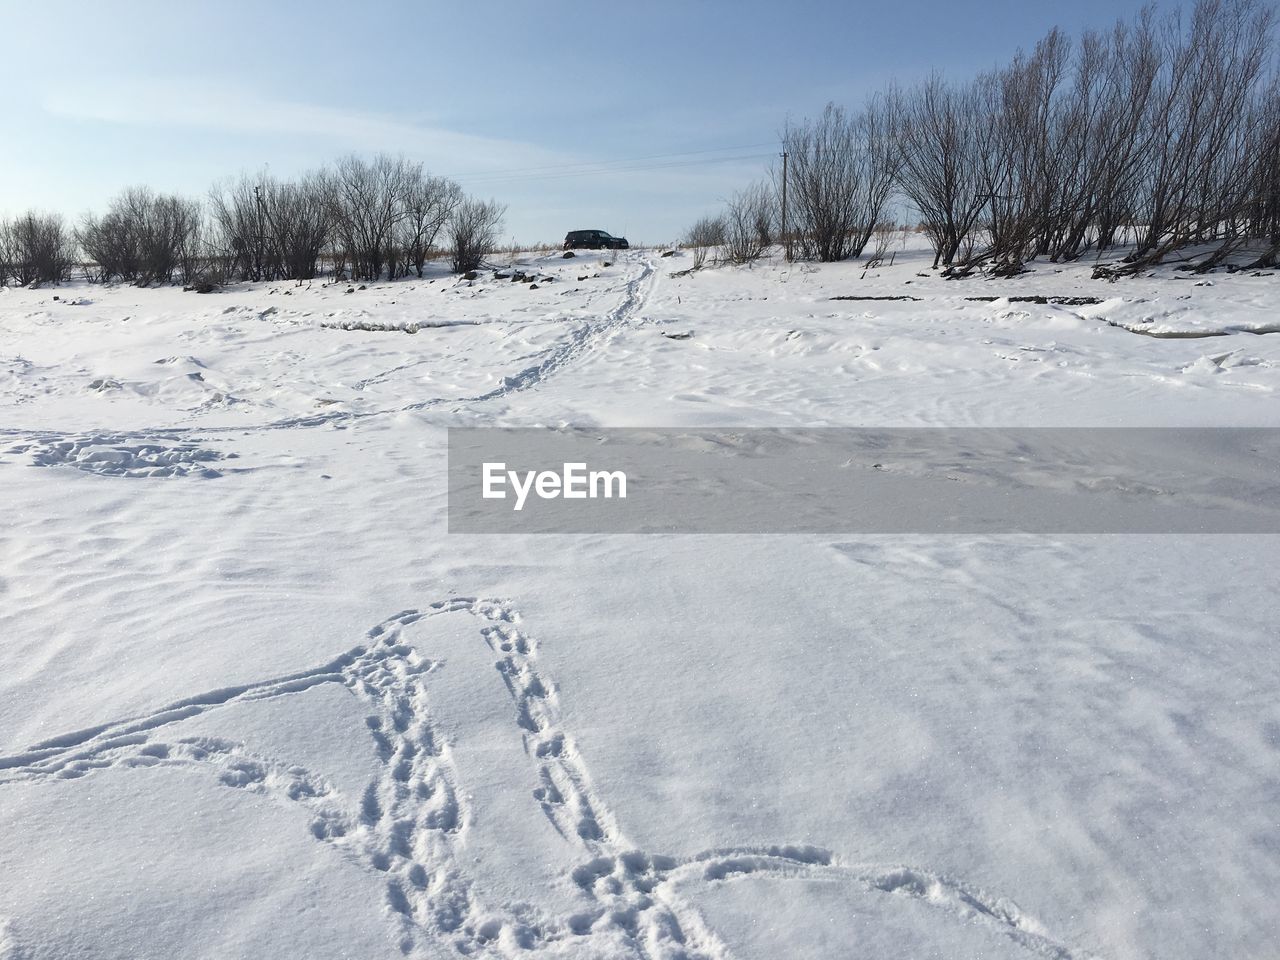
594,240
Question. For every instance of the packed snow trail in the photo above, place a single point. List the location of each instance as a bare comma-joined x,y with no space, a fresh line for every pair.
407,823
49,447
636,292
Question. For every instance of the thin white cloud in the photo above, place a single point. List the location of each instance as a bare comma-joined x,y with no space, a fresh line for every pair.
215,106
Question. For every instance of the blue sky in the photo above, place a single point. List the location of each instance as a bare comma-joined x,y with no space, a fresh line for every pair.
678,102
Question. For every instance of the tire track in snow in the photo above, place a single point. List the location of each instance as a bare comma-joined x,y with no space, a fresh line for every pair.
409,819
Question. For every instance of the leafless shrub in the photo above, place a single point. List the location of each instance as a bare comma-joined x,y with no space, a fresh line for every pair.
704,235
473,232
1022,155
301,226
386,214
35,248
239,212
1263,210
941,170
145,238
366,200
1194,188
1103,135
840,174
748,224
883,236
271,230
429,202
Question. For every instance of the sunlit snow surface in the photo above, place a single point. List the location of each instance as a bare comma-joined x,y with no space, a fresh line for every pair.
255,701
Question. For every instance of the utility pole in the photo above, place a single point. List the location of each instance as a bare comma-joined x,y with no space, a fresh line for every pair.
786,240
259,253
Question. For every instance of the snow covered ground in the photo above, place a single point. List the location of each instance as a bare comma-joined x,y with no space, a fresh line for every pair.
255,701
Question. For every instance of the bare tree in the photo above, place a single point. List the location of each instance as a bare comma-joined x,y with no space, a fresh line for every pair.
269,230
840,174
35,248
1021,154
883,235
240,213
748,224
301,226
1104,134
942,171
705,234
1263,211
145,238
1190,188
473,232
367,204
429,202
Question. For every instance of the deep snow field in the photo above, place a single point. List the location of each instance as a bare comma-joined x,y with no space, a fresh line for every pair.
256,701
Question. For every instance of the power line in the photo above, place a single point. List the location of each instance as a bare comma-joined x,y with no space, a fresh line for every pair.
594,163
634,169
618,165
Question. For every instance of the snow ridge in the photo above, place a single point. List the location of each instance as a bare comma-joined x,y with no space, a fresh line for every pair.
121,455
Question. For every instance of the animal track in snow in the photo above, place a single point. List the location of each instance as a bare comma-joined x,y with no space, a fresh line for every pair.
407,824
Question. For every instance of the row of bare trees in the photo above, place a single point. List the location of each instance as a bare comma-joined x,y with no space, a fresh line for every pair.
365,219
1158,135
362,219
